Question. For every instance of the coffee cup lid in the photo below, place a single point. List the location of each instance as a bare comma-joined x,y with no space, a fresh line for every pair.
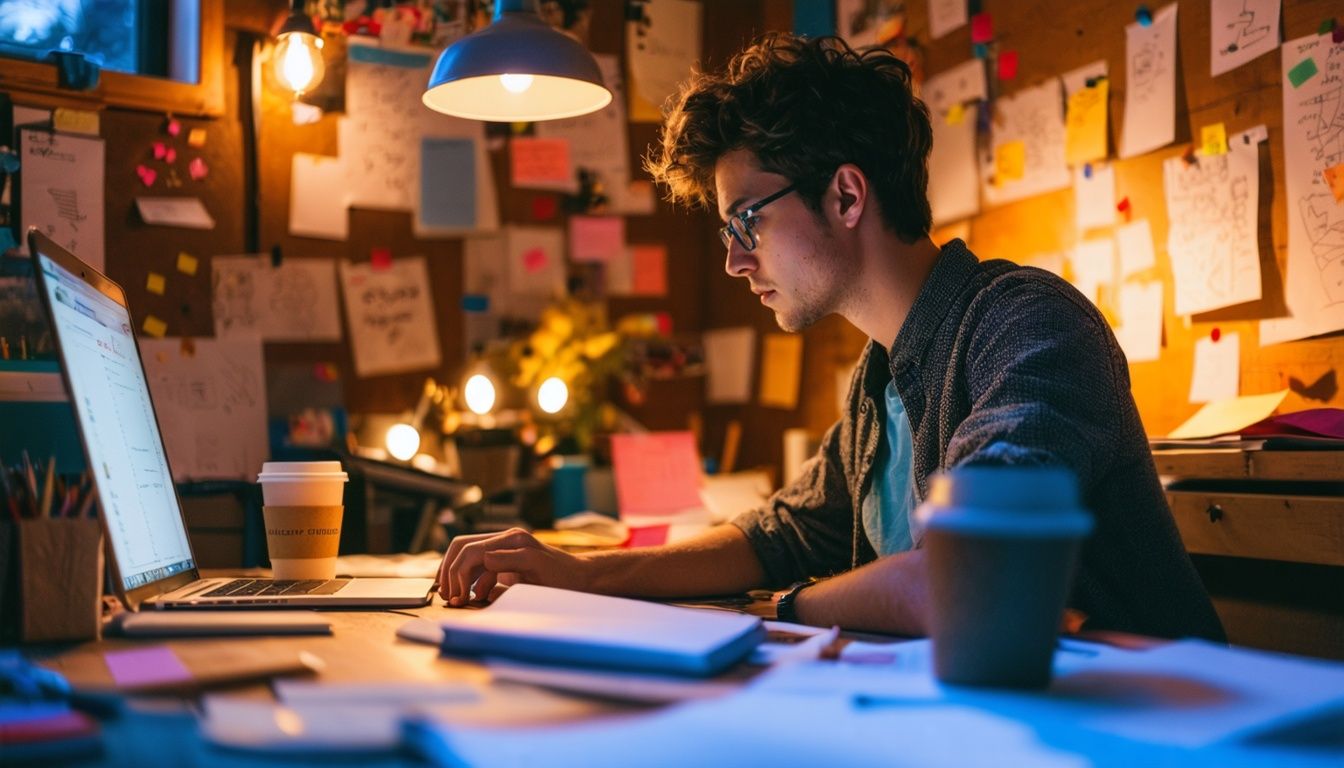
1006,501
290,471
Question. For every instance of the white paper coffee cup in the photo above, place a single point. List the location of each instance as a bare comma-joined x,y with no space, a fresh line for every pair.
303,547
302,483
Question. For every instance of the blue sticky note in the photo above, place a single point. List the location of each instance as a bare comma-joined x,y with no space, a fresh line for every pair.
813,18
448,183
374,54
981,50
475,302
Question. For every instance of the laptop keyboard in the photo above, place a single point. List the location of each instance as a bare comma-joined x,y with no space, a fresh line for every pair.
248,587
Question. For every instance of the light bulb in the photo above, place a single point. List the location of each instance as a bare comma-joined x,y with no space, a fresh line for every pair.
299,64
402,441
552,395
480,394
515,83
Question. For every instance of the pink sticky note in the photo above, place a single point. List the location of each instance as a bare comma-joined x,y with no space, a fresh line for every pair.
534,259
160,149
147,175
169,155
173,127
657,473
146,667
647,536
648,270
198,169
596,238
542,162
982,28
1007,65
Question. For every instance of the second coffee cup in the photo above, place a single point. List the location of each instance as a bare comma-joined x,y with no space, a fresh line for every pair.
302,507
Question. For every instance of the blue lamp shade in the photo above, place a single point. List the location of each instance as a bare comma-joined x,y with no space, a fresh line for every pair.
518,69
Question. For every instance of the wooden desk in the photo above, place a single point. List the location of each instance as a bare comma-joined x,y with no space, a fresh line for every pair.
1266,531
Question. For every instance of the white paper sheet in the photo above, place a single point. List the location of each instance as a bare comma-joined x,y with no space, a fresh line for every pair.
185,212
1150,84
1217,369
390,313
1212,209
1140,331
211,406
293,302
1093,264
1313,140
62,190
1094,196
661,51
1241,30
945,16
1135,242
536,261
730,359
318,204
953,176
1035,117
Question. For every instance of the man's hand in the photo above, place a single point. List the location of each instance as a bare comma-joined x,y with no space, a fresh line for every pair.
475,564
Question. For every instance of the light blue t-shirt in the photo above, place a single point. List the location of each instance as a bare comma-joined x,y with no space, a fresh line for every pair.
891,498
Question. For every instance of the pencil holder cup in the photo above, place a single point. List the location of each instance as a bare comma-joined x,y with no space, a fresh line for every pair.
60,575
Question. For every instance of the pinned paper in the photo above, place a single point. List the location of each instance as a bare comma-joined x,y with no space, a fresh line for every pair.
649,267
1094,195
1213,139
1302,72
294,301
75,121
1008,65
185,212
197,169
1217,369
62,189
390,314
535,262
1140,331
196,138
540,163
1085,123
953,158
982,28
955,114
186,263
447,186
155,283
596,238
317,198
154,326
945,16
1135,243
1150,84
1334,178
662,44
730,354
1010,161
1093,263
781,370
1241,30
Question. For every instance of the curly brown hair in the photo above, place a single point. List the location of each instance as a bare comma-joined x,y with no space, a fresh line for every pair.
803,107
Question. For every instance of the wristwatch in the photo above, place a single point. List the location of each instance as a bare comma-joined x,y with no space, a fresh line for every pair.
785,609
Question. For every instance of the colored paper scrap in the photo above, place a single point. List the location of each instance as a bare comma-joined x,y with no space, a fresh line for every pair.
1302,72
534,259
155,283
1334,176
1085,123
540,163
596,238
955,114
154,326
146,667
186,263
147,175
475,302
1010,161
196,138
75,121
649,268
656,473
1008,65
982,28
197,169
1213,139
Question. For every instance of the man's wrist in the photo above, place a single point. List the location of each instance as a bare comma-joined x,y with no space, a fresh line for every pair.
786,602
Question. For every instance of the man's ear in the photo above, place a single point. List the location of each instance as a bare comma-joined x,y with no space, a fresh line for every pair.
850,187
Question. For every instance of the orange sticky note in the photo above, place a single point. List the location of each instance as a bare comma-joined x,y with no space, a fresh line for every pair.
955,114
1085,124
196,138
1334,176
1010,161
540,162
186,263
155,283
649,268
154,326
1214,139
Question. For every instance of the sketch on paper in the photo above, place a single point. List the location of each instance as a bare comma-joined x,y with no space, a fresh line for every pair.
1212,209
1034,117
1150,84
390,313
1322,127
1241,30
295,301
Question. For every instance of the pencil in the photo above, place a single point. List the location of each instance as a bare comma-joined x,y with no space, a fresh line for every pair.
48,488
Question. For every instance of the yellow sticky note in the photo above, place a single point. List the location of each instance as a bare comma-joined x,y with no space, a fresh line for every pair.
1010,161
155,283
1085,124
186,263
1214,139
154,326
1334,176
196,138
956,114
781,370
75,120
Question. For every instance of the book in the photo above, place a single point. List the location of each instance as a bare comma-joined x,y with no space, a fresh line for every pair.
559,626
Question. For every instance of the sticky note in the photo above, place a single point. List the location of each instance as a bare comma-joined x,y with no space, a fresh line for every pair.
380,258
534,259
982,28
155,283
1007,65
196,138
956,114
75,121
1085,124
1010,161
596,238
146,667
1304,71
186,263
649,268
475,302
154,326
543,162
1214,139
1334,176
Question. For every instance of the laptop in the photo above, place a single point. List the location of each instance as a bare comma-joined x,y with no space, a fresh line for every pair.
152,562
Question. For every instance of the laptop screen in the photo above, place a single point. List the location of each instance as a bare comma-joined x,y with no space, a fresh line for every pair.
110,396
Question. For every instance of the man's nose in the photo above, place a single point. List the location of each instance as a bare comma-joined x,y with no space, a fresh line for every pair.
739,261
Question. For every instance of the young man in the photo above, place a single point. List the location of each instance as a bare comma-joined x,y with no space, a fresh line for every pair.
816,158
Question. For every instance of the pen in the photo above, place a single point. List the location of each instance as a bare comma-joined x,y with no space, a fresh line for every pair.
48,488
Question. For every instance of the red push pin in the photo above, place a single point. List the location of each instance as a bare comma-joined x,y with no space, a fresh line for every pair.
1215,334
1124,207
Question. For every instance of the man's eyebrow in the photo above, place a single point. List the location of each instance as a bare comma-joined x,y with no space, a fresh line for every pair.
732,209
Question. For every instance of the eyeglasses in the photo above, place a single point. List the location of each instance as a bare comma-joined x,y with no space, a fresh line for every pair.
741,226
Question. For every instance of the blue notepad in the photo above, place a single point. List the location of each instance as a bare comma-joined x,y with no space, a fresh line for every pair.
560,626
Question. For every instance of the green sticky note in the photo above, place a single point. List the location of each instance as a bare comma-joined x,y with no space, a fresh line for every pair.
1304,71
1327,26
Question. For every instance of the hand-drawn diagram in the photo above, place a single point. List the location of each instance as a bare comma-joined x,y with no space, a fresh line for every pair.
1212,207
1322,127
1150,84
1034,117
295,301
391,317
1241,30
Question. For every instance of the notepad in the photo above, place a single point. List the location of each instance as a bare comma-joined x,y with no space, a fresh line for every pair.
560,626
